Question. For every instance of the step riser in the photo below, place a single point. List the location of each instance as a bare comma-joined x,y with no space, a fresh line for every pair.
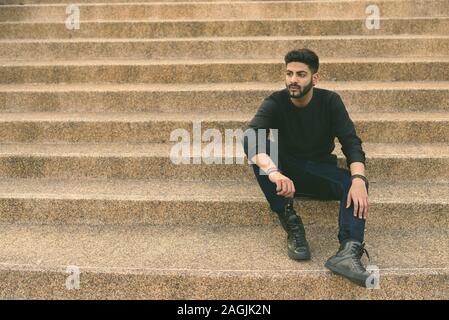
218,72
183,285
179,29
158,131
262,10
98,1
162,167
223,49
227,213
194,101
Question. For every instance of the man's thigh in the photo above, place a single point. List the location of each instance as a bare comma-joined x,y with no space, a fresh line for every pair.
320,181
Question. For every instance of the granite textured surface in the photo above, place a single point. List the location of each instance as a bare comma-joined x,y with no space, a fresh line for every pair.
86,177
226,10
209,263
359,96
219,70
159,29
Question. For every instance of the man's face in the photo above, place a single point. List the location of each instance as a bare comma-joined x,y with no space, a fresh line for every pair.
298,79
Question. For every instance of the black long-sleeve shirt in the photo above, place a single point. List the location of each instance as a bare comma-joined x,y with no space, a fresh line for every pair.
309,132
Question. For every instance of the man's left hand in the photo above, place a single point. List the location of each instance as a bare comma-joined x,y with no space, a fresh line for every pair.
359,196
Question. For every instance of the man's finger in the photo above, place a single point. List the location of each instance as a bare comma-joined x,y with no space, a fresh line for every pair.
278,186
289,188
361,208
348,201
284,188
356,207
366,208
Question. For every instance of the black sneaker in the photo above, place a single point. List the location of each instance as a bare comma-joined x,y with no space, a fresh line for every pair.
347,262
298,247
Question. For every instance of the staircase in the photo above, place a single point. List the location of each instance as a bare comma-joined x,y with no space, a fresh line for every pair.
87,180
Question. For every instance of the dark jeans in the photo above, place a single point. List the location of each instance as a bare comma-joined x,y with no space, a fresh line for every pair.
315,180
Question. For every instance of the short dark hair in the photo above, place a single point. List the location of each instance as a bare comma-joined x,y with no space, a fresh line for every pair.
305,56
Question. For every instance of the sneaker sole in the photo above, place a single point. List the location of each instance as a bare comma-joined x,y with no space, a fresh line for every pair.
345,274
299,257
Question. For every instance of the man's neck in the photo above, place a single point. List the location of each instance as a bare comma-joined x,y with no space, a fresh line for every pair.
303,101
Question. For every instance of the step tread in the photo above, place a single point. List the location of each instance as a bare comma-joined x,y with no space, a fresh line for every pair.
206,20
204,249
197,116
142,62
234,39
227,86
373,150
435,193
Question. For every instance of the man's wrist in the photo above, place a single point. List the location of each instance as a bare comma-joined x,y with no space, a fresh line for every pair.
360,178
272,170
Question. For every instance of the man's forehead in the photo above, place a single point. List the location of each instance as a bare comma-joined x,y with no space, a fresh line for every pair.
297,66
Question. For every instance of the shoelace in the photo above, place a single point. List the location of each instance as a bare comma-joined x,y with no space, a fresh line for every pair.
299,238
358,253
298,233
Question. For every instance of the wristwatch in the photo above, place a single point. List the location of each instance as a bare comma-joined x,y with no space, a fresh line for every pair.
361,177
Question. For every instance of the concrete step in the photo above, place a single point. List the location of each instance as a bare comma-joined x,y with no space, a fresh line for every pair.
169,202
368,96
406,162
410,127
210,262
223,28
21,2
213,71
225,10
224,48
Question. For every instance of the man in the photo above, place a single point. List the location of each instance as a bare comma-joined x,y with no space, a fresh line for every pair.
307,120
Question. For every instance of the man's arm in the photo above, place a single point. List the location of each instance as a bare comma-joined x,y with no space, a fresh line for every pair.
265,119
344,130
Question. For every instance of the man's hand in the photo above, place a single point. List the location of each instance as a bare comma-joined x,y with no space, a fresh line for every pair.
359,196
284,186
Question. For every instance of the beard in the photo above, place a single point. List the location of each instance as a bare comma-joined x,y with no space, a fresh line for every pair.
302,90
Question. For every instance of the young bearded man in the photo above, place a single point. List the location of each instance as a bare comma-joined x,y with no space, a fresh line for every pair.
307,120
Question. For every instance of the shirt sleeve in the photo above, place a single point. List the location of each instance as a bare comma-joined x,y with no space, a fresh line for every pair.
343,128
265,118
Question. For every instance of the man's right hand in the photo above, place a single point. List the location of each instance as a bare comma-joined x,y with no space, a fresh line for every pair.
284,186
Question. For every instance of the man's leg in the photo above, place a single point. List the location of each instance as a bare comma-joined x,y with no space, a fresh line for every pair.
331,182
298,248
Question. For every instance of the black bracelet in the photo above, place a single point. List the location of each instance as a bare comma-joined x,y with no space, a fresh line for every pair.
361,177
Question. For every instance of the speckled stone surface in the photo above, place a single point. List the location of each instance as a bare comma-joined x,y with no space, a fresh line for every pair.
215,71
132,127
411,205
222,48
358,96
86,177
209,262
412,162
222,28
247,10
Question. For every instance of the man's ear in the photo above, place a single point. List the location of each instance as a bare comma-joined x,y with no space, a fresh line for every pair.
315,78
